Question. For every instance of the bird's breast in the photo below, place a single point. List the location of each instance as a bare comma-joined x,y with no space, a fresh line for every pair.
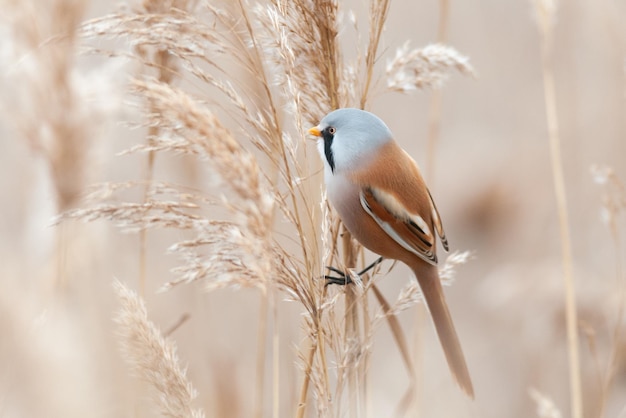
343,195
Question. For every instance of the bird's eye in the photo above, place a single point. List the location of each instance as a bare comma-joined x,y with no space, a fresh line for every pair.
332,130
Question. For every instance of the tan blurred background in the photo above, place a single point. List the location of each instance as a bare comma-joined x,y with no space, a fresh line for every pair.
491,179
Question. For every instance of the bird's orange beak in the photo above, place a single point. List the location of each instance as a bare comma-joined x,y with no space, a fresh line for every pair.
315,131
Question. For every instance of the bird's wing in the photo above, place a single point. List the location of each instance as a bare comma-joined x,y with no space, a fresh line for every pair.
406,228
397,198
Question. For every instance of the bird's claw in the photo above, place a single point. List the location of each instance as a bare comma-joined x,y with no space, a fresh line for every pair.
345,279
341,281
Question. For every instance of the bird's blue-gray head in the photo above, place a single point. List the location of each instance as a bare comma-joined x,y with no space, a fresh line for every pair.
348,136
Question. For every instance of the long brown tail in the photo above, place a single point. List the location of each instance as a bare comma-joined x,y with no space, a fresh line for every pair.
428,279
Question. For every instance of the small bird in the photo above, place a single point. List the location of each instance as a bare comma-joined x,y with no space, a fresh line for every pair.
382,199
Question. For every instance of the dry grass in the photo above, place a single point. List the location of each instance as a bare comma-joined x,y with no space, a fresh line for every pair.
153,358
231,232
546,14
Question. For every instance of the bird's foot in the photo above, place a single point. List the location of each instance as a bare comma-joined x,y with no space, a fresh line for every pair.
345,279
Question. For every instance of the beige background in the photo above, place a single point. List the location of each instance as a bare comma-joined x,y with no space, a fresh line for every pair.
493,185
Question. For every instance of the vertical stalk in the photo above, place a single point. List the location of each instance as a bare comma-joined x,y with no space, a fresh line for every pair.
260,359
307,379
613,364
275,355
152,131
163,61
365,386
561,200
62,242
351,336
434,114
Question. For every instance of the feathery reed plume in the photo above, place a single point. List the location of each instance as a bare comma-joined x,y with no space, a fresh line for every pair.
190,127
50,110
186,126
613,200
378,16
426,67
545,406
546,11
153,357
447,272
223,252
50,114
301,40
411,293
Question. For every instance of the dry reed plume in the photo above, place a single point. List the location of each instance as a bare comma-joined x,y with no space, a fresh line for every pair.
153,358
51,116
